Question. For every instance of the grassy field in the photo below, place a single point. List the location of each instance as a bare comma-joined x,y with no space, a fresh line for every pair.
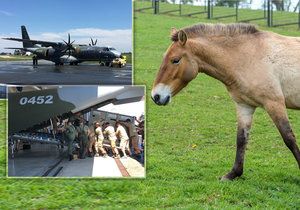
279,17
190,144
14,58
204,115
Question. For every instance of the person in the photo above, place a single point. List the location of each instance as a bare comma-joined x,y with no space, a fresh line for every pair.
124,140
99,138
140,129
133,136
110,132
70,135
92,140
83,133
34,60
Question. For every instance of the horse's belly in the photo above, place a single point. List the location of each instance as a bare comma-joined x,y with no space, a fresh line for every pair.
290,83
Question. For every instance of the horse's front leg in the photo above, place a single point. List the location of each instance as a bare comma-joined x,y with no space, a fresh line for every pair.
244,117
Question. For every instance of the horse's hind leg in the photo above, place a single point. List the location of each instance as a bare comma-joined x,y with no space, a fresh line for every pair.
244,115
277,112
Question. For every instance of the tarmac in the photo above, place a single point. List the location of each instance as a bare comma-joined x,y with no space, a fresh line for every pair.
24,73
34,164
44,160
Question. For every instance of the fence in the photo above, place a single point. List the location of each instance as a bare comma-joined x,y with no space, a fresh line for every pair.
273,13
284,13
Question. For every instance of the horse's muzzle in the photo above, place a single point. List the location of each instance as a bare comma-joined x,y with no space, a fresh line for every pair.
160,101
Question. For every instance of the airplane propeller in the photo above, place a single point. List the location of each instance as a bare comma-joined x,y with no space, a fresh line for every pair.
93,43
69,46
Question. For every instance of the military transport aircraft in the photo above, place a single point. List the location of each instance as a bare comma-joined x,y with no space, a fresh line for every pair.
66,52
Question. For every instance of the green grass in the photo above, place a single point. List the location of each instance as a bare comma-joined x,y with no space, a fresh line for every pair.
14,58
178,175
279,17
128,57
203,114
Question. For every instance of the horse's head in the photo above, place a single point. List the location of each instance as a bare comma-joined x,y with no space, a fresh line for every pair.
178,68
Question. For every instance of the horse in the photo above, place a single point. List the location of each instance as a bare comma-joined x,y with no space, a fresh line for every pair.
258,68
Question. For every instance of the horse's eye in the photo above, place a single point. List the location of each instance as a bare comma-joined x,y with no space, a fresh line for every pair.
175,61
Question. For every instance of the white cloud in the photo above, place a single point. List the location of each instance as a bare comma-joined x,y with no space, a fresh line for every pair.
121,39
6,13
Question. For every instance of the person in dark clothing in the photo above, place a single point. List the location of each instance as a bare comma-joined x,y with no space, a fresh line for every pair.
34,60
70,135
83,133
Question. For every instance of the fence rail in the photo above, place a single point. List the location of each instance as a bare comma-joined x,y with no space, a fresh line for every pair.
273,13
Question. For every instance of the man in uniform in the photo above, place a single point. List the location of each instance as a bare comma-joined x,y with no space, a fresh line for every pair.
83,133
99,141
133,136
70,134
92,140
124,140
34,60
110,132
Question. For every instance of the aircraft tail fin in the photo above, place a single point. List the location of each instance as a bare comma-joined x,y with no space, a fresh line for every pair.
26,36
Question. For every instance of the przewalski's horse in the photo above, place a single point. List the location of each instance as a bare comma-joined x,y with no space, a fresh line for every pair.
258,68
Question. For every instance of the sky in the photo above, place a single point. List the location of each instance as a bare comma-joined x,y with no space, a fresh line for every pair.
109,21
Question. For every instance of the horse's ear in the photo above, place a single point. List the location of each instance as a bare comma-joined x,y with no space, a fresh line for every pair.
182,37
173,31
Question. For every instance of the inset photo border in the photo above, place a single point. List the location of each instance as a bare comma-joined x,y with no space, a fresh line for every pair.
76,131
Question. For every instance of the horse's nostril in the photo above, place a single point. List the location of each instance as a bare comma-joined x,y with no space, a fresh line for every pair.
167,100
156,98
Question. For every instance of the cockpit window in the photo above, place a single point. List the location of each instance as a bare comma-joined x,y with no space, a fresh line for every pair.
111,48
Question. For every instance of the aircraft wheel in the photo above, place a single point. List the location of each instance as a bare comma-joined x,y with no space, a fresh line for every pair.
71,63
107,63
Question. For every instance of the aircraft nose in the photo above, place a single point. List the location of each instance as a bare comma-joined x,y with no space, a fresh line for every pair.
117,54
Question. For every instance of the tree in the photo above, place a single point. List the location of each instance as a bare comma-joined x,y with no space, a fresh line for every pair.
227,3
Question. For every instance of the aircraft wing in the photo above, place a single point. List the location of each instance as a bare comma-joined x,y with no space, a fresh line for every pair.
15,48
42,43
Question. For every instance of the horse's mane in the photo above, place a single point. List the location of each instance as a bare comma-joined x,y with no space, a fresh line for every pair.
216,30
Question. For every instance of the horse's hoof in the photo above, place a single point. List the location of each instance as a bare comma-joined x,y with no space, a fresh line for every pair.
225,178
229,177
